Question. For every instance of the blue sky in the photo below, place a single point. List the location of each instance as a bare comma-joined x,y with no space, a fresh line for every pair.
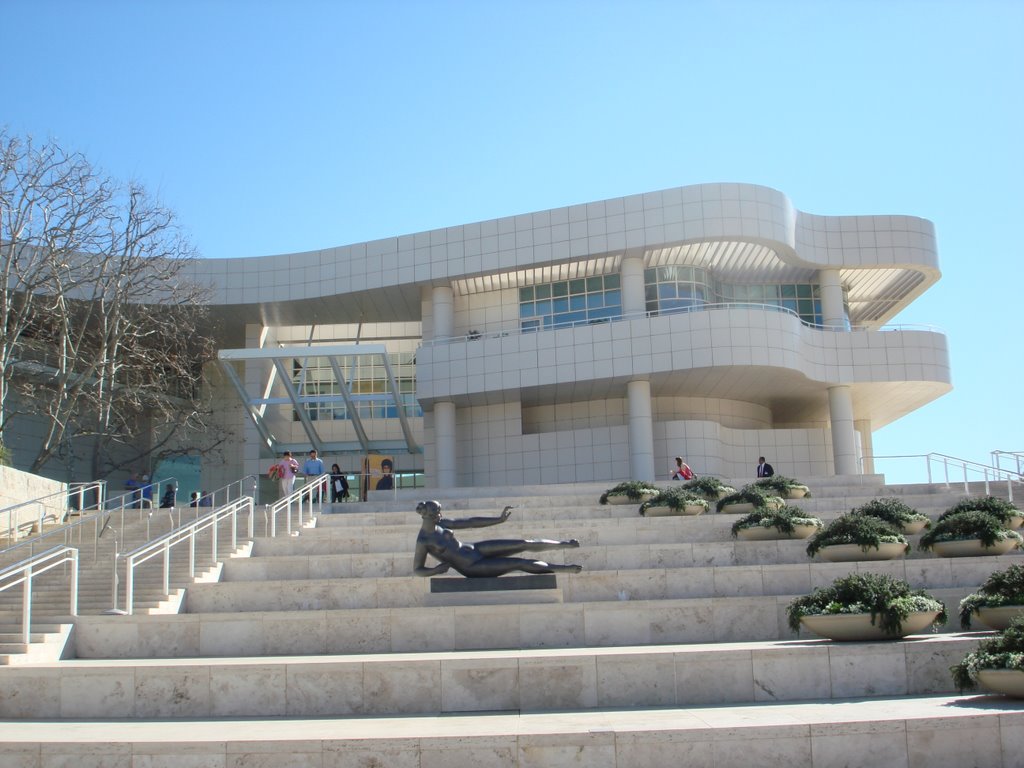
274,127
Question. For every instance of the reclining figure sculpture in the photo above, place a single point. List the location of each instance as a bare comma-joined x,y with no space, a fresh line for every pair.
482,558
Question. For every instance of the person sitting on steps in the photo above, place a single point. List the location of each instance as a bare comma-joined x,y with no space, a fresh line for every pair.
482,558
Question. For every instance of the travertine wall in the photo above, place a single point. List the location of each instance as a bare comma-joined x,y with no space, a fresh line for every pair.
17,487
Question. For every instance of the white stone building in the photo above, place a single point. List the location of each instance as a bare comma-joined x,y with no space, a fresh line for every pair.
592,342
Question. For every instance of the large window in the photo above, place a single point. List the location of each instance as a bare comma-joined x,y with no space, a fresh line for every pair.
670,289
570,302
367,382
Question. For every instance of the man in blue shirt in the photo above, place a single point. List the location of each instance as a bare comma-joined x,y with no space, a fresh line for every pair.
313,468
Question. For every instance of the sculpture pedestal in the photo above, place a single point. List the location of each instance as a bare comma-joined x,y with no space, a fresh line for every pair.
540,588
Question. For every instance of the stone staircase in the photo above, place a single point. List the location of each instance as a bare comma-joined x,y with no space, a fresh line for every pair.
670,648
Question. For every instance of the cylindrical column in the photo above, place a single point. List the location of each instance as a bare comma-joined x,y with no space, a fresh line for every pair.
844,439
832,312
634,300
641,431
867,447
444,311
444,443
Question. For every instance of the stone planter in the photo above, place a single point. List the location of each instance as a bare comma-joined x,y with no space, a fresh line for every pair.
1009,682
999,618
909,529
972,548
666,511
1016,521
624,499
738,508
858,626
760,533
796,492
848,553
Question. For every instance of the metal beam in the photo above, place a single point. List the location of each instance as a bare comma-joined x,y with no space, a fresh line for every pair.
400,407
286,382
350,406
257,418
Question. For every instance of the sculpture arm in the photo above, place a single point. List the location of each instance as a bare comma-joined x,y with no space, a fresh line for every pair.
477,522
419,564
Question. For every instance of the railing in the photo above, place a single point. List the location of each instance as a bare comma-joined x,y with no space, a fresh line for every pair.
25,571
73,499
940,465
475,335
1016,456
299,502
238,489
185,534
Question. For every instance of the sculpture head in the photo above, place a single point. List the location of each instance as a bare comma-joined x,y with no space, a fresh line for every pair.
429,510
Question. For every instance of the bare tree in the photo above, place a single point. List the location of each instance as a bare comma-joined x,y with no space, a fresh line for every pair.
102,336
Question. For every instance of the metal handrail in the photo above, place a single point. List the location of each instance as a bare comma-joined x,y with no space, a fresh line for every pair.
300,499
163,545
226,495
72,490
30,568
983,472
1018,457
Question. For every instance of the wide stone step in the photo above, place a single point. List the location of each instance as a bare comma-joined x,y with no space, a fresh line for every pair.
317,631
481,681
942,731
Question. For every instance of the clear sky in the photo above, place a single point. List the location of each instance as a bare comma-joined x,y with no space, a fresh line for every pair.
275,127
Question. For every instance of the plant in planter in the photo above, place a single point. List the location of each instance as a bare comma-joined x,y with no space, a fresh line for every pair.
674,501
1002,596
786,487
629,491
858,537
710,488
893,511
747,499
1001,509
888,608
998,663
969,533
782,523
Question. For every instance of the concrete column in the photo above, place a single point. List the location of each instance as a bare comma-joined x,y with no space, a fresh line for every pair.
634,300
641,431
444,311
444,444
832,312
844,439
867,447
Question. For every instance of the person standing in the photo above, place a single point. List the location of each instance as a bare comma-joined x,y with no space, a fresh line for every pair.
339,485
764,469
313,467
287,469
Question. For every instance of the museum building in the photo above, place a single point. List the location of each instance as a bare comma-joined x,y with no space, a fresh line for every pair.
593,342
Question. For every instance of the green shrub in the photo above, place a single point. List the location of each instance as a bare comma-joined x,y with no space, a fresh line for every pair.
777,485
892,511
968,525
782,519
709,487
1000,509
675,498
863,530
750,494
889,601
1004,651
634,490
1000,588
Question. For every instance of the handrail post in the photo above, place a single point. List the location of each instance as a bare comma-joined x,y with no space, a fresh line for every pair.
213,539
129,585
113,608
191,557
167,567
26,606
74,582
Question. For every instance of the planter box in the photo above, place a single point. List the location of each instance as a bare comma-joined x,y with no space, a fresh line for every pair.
738,508
623,499
858,626
666,511
796,492
909,529
999,618
1006,681
848,553
972,548
760,533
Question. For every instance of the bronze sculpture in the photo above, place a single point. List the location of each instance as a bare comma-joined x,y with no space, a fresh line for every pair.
482,558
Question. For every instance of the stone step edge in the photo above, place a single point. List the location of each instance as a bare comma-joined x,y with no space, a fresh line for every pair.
806,719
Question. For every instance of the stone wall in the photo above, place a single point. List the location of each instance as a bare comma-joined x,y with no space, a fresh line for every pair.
17,486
